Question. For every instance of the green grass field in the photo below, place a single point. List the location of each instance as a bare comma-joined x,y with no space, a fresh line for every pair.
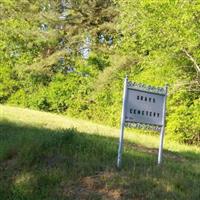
47,156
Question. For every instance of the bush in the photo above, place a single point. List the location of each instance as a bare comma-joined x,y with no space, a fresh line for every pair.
184,124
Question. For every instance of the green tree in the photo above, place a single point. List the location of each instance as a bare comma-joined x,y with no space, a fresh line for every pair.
164,38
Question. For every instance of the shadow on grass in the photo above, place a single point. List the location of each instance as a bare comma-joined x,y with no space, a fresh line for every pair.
39,163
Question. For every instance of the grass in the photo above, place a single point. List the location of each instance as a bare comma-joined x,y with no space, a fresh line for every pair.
47,156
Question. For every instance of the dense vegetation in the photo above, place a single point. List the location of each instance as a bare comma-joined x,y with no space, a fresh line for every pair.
42,157
71,57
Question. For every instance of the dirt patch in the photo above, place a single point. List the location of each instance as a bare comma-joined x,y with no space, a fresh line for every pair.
93,187
154,151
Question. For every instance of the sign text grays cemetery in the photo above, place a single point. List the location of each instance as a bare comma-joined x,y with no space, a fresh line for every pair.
144,105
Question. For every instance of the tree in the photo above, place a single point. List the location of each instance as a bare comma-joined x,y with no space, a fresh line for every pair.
168,26
164,38
46,37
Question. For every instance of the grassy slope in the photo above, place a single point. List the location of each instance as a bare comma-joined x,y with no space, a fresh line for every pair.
46,156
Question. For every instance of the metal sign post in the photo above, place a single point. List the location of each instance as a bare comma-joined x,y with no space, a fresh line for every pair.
119,157
162,132
143,106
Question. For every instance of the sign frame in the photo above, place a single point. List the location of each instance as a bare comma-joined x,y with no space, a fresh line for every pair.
158,126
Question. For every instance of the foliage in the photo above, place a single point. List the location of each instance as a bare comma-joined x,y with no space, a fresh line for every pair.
71,57
163,36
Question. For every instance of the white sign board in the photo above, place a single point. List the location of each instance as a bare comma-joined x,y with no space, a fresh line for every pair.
144,107
143,104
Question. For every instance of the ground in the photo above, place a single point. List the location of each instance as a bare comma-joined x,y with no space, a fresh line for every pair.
48,156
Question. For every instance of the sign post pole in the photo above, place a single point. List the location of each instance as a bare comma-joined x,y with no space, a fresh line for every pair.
162,133
120,149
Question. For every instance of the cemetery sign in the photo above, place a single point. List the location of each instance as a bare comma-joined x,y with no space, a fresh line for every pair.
143,106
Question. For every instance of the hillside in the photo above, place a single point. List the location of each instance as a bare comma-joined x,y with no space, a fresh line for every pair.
48,156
